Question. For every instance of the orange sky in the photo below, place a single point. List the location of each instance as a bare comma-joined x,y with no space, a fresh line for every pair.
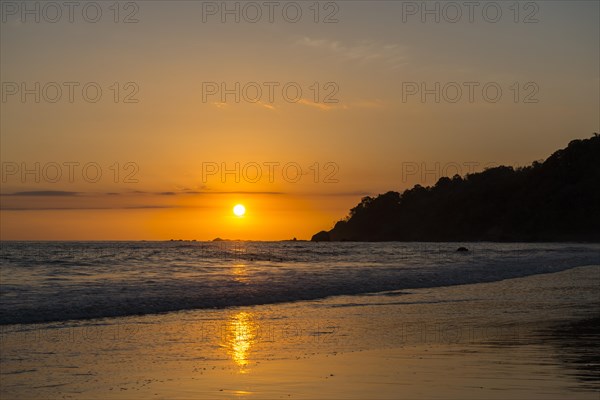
356,133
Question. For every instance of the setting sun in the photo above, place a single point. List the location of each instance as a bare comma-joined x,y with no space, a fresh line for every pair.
239,210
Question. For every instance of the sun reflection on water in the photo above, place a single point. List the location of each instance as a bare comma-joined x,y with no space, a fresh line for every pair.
239,272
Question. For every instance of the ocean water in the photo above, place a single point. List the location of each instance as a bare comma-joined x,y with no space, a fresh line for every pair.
59,281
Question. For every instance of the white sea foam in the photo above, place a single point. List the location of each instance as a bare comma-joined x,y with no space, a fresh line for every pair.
57,281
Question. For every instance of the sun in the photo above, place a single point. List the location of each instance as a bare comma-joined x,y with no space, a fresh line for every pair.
239,210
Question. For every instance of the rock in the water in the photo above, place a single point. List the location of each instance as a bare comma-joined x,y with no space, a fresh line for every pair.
461,249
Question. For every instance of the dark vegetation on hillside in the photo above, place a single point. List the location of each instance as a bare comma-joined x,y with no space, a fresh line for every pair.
556,200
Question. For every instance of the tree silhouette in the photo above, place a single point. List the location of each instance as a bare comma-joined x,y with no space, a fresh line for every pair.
554,200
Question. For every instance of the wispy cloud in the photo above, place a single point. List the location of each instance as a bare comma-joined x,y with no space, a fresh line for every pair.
364,51
58,193
265,105
75,208
342,106
219,104
225,106
43,193
90,201
323,106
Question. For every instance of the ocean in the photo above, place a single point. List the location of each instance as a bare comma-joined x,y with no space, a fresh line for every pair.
59,281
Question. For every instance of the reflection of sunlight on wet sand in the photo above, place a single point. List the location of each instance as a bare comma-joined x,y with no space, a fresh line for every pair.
240,336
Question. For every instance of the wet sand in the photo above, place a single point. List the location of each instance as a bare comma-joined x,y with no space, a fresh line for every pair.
533,337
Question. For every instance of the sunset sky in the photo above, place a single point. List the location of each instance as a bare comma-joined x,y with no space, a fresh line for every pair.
370,141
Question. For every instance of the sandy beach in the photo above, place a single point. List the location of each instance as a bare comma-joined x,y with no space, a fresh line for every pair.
529,337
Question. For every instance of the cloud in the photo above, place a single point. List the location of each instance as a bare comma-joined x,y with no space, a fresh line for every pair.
208,191
247,192
355,193
267,106
364,51
205,190
17,205
342,106
143,207
43,193
323,106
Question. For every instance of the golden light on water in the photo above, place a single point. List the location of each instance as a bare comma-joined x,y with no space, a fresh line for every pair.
239,272
241,336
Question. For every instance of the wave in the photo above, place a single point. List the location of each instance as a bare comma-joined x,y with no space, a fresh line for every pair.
114,280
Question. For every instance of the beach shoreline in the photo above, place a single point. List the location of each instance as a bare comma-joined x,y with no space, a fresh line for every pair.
511,338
